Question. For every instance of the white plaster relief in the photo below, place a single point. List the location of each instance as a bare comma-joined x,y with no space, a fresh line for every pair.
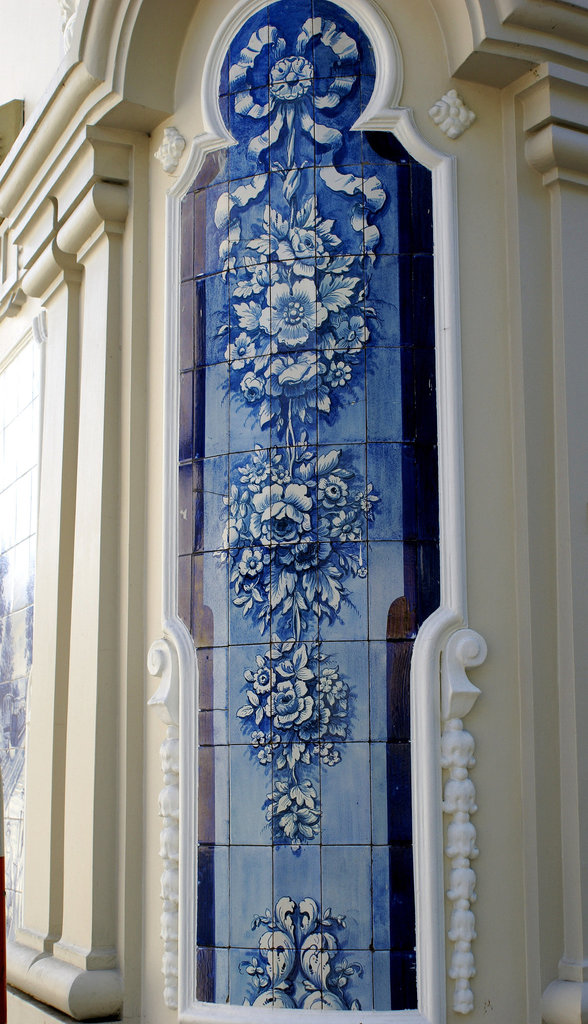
162,662
68,9
451,115
171,149
465,649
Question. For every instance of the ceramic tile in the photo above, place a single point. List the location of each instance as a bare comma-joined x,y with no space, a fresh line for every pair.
251,784
251,891
184,595
185,510
297,876
384,395
318,342
403,988
344,795
213,794
186,416
344,687
212,975
213,895
211,405
213,678
186,325
213,728
386,583
210,597
346,887
187,238
211,488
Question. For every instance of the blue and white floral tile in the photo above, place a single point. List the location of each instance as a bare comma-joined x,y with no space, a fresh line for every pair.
251,879
345,610
294,803
214,168
213,676
347,888
210,604
344,689
385,583
250,786
345,787
344,503
246,383
384,394
352,978
333,190
213,789
249,218
346,420
250,671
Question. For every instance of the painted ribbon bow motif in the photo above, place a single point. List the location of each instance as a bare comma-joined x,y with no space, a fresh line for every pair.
296,516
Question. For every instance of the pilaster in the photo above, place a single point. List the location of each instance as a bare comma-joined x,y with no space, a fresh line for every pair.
555,104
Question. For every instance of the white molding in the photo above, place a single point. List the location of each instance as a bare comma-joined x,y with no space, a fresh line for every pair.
169,152
434,636
451,115
162,662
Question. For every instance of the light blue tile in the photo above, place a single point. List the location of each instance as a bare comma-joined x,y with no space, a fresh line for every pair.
250,891
344,795
297,875
379,793
216,410
251,782
351,620
347,890
221,896
355,966
384,472
212,677
386,583
381,897
378,654
381,969
211,595
384,394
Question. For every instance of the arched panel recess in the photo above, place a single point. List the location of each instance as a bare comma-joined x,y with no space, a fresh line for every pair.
303,236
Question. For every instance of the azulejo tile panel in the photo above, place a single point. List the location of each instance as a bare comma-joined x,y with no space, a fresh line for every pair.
19,442
309,520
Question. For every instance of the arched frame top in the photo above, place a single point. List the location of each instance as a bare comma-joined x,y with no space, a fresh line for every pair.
382,114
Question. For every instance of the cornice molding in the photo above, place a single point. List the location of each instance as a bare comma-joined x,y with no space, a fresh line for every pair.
555,120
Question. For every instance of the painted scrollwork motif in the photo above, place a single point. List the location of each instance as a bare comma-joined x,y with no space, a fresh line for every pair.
300,964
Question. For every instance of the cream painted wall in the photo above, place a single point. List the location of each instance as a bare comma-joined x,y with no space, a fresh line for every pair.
32,47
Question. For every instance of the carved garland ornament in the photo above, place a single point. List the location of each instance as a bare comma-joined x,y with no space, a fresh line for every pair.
162,662
465,649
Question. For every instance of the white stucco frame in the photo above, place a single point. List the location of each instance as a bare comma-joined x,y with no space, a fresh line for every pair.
443,639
